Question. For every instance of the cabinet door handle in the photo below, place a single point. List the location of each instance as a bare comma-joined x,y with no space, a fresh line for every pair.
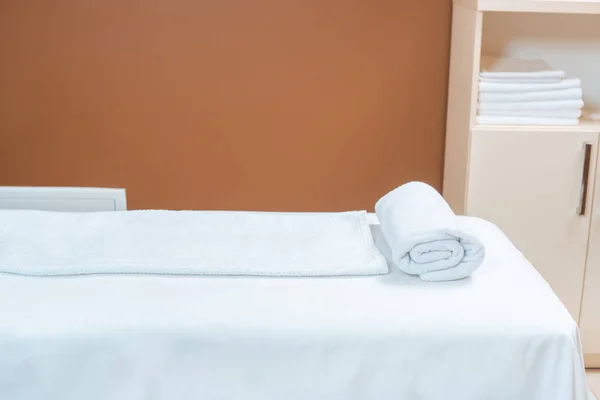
584,179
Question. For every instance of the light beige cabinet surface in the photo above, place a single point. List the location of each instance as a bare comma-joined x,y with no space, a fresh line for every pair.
540,184
590,311
534,197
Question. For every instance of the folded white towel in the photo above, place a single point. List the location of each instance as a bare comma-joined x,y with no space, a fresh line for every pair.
573,113
512,68
534,105
563,94
504,87
188,242
513,120
521,81
424,235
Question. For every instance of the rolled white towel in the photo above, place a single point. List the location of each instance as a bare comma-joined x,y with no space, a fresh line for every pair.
425,236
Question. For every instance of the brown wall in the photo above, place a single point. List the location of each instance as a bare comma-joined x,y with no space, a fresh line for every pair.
226,104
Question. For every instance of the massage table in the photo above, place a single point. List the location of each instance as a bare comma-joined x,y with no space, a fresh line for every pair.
500,335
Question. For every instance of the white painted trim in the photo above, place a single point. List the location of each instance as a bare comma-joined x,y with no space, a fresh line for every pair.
540,6
67,194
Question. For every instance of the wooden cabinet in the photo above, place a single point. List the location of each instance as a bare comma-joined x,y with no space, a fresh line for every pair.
529,183
529,180
590,311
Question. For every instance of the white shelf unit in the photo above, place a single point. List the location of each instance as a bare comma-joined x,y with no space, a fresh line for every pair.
534,6
532,180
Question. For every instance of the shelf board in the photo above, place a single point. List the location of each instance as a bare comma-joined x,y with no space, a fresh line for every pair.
584,126
540,6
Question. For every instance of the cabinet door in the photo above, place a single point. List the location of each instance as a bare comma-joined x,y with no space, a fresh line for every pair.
590,306
529,183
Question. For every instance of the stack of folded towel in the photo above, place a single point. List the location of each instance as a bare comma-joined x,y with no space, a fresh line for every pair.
526,92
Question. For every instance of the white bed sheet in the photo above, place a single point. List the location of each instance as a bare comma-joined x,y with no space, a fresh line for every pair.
501,334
